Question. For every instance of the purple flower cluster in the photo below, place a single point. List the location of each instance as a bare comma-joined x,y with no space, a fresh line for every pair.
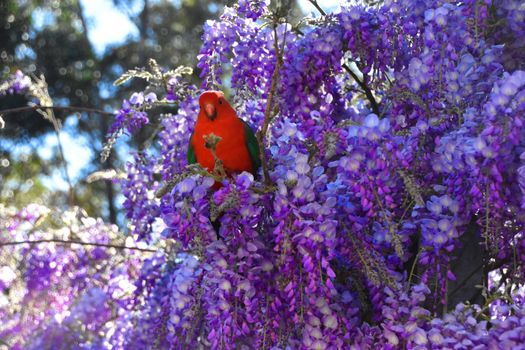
59,295
134,112
185,211
309,92
141,205
331,246
252,8
408,325
175,137
508,24
132,115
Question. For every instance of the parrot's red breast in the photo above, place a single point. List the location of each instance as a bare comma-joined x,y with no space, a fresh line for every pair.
216,116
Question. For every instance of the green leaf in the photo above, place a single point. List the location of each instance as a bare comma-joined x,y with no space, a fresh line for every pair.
192,159
253,146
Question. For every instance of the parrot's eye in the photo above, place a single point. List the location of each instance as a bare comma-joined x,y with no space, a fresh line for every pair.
220,101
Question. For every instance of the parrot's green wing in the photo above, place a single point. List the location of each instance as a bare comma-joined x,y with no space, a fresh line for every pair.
192,159
253,147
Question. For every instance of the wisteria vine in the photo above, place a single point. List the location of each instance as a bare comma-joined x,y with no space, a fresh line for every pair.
393,141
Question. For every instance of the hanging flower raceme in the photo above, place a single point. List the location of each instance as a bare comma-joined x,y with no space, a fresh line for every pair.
141,204
73,283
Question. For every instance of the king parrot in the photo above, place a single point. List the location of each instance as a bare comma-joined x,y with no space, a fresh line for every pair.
238,148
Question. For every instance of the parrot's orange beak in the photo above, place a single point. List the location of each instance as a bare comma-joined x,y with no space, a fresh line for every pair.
210,111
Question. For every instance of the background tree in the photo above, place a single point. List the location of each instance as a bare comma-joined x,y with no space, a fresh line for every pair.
55,38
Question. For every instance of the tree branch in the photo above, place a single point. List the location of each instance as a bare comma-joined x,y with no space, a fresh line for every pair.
362,84
316,5
60,241
40,90
366,89
489,267
269,107
66,108
64,162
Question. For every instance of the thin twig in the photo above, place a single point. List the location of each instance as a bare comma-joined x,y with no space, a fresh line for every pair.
269,107
362,84
60,241
57,128
49,114
63,159
316,5
366,89
145,145
65,108
413,268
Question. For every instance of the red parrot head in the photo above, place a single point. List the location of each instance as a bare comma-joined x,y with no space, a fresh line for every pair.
214,106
